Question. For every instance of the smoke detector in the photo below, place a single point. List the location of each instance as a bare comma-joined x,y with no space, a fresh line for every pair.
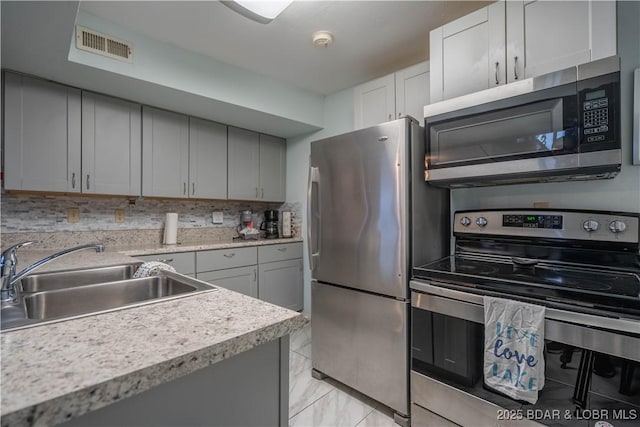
322,38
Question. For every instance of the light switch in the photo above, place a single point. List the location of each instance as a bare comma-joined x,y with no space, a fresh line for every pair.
217,217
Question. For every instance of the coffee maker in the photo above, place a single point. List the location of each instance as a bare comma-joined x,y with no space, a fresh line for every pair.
270,224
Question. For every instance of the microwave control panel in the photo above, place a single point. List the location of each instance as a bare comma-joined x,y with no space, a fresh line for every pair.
598,100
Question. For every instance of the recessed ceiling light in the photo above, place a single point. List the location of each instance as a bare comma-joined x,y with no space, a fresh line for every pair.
263,11
322,38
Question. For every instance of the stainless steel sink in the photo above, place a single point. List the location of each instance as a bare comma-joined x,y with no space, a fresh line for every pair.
81,300
72,278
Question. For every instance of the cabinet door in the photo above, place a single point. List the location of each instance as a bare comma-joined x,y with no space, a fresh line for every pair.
468,54
586,29
165,153
243,164
207,159
183,262
272,168
412,91
374,102
41,135
111,146
243,280
280,283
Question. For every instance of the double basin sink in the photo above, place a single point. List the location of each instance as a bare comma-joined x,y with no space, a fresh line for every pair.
61,295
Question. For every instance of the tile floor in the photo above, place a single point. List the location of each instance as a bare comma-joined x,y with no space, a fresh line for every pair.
315,403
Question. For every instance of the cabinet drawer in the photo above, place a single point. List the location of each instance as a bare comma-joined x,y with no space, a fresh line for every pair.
281,252
220,259
183,262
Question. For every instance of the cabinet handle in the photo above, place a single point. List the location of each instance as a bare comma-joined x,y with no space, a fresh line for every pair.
87,181
193,188
229,255
73,180
399,115
255,275
184,188
256,192
389,116
262,193
165,260
515,67
282,249
497,81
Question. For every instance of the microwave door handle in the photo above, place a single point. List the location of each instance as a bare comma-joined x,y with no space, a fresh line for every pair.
313,211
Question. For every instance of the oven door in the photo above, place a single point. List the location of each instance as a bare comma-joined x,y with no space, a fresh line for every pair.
591,365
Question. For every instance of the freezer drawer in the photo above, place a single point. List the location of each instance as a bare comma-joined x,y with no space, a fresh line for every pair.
360,339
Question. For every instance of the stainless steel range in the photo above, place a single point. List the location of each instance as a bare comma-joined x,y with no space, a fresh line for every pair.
584,266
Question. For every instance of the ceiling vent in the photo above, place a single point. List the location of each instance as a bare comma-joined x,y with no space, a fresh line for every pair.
102,44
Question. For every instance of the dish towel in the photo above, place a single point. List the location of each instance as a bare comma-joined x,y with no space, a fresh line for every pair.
151,268
513,348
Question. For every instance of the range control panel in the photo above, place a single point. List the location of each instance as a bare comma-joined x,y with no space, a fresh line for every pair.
574,225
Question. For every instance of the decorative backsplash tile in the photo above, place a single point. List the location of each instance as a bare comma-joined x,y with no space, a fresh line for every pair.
29,213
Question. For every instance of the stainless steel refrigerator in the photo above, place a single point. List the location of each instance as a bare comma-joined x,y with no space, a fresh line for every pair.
370,217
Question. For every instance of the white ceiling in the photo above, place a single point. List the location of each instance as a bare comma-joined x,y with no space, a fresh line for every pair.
372,38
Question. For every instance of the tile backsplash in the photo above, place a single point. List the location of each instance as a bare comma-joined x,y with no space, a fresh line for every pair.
31,213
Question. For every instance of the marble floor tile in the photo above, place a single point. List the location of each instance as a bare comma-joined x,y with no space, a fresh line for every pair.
377,419
300,338
335,409
305,351
303,388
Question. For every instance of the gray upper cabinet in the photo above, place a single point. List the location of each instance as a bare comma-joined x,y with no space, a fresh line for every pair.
467,55
207,159
509,41
42,135
165,153
403,93
272,168
374,102
587,30
111,146
256,166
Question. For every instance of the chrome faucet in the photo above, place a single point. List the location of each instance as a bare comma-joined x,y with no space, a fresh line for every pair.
9,261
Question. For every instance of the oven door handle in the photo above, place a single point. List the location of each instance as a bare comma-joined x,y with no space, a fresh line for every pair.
574,329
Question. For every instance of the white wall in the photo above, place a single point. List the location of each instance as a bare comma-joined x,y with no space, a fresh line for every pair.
338,118
619,194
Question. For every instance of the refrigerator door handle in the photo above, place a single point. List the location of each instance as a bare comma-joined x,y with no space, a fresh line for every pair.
313,212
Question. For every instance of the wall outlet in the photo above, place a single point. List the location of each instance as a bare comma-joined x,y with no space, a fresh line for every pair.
119,216
73,215
217,217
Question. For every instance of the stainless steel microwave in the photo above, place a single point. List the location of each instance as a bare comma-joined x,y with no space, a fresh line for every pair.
557,127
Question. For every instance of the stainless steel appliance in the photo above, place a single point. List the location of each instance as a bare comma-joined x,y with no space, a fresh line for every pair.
270,224
560,126
361,203
584,266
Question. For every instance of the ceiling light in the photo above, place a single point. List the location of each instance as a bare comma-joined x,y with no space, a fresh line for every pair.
263,11
322,38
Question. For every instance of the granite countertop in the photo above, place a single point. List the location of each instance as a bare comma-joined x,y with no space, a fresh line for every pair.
53,372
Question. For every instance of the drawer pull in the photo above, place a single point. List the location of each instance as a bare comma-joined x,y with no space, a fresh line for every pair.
229,255
165,260
282,249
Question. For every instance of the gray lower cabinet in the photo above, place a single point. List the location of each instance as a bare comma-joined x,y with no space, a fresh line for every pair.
183,262
243,280
281,283
249,389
